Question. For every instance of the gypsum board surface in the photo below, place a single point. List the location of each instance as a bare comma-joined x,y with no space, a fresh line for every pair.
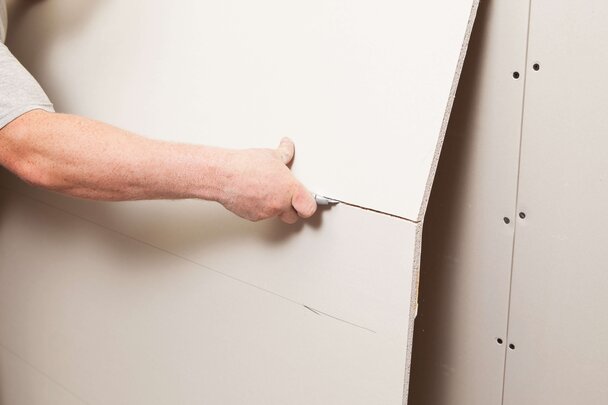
363,88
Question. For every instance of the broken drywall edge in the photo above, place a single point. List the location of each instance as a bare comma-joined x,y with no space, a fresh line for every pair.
413,309
425,200
446,117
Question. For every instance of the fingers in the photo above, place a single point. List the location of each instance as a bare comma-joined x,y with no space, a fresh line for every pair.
303,202
286,150
290,216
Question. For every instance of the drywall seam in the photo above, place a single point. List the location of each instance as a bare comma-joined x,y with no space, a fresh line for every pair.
448,110
521,130
37,370
413,309
316,311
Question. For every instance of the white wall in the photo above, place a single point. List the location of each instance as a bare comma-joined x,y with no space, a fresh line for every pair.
535,145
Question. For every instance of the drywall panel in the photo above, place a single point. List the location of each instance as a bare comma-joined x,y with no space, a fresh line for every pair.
114,320
466,245
349,263
558,322
22,384
335,76
364,88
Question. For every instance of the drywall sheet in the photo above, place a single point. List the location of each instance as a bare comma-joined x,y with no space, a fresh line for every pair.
364,88
467,246
349,263
118,321
558,322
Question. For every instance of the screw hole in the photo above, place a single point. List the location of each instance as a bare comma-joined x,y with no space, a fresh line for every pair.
522,215
516,75
536,67
511,346
499,341
507,220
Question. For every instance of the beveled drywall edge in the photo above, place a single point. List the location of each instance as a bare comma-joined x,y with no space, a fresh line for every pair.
448,111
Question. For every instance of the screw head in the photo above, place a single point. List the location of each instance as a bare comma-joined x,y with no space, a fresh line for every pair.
506,220
511,346
522,215
536,67
516,75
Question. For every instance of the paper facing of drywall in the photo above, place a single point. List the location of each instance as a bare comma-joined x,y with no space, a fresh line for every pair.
362,87
109,319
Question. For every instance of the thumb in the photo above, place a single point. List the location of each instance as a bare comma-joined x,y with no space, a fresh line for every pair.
286,150
303,202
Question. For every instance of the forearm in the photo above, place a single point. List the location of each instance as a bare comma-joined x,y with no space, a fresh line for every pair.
90,159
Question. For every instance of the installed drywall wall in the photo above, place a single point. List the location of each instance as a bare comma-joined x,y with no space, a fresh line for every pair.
558,322
467,245
362,87
555,331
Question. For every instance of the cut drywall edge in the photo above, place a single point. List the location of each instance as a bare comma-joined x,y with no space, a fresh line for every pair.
420,220
448,110
413,309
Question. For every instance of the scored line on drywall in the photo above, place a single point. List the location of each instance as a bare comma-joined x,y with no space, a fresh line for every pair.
318,312
376,211
36,369
321,313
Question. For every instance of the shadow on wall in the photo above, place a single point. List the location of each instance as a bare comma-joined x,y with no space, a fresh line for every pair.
62,19
434,325
4,400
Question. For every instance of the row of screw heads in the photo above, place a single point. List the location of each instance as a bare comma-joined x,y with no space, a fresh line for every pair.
500,342
522,215
535,66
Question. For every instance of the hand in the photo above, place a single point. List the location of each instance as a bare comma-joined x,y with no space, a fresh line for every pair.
261,186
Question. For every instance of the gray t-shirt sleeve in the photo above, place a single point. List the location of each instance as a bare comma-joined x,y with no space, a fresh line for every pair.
19,91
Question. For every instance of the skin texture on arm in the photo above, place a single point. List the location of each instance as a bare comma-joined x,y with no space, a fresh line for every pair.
89,159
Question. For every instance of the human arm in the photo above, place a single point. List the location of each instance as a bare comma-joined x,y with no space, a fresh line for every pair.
90,159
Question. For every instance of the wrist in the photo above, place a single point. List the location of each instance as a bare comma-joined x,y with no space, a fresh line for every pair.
214,175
